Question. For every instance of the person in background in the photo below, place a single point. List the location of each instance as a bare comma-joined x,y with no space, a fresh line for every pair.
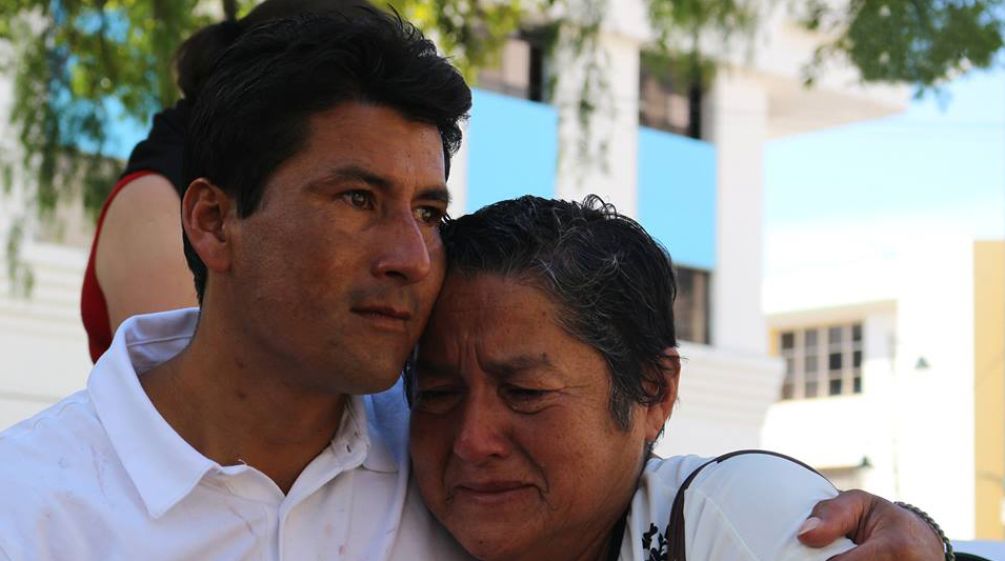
136,264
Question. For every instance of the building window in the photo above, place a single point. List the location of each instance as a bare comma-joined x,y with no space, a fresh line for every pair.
822,361
668,99
520,70
691,309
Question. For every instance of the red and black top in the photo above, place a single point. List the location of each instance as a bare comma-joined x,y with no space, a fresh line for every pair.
161,153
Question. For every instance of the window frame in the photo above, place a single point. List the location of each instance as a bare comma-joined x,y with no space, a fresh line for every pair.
832,352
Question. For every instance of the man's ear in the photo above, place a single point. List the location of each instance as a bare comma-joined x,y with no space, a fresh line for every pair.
657,413
205,213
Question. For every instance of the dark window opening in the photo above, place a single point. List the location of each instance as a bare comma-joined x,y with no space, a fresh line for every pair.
692,307
536,87
520,69
834,362
669,98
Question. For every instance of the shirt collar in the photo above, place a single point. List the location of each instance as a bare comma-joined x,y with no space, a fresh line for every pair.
162,465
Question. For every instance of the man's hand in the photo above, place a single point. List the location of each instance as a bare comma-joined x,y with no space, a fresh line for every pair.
883,530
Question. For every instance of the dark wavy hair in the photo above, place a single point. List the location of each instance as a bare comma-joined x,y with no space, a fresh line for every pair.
253,111
613,283
195,58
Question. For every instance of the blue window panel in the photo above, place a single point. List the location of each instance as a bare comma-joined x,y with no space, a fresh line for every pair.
512,149
677,195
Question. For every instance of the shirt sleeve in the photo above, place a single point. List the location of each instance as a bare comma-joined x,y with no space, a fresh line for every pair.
750,508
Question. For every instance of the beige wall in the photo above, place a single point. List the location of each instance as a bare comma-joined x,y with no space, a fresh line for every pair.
989,387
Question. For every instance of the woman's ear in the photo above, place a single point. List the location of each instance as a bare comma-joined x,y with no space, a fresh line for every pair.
205,210
658,412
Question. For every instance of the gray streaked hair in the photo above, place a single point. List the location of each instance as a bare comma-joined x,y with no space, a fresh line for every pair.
613,283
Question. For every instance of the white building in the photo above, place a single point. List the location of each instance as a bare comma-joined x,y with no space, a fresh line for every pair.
42,341
895,375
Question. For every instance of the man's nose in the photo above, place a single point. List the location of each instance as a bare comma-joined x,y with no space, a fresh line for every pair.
405,249
481,433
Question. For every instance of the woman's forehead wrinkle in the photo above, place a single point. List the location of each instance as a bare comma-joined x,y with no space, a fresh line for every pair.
505,367
433,369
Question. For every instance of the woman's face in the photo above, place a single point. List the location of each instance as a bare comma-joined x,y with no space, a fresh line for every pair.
513,444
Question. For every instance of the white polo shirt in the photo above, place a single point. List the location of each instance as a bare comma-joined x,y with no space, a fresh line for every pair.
746,508
101,476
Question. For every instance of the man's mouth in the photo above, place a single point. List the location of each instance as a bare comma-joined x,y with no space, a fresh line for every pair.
389,311
385,317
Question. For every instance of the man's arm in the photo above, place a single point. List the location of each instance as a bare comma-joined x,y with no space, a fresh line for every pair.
883,530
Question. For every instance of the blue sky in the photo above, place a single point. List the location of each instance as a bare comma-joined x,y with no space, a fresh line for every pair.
125,132
940,165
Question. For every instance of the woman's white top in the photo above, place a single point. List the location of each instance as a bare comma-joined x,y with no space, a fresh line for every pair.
745,508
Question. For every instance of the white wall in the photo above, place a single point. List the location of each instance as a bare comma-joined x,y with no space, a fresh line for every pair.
609,165
736,117
936,321
42,341
723,399
841,432
915,425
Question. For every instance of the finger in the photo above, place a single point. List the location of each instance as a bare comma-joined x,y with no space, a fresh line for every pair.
835,518
899,545
872,551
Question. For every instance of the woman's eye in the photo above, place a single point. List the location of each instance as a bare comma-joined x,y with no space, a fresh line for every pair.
436,400
526,400
525,393
359,199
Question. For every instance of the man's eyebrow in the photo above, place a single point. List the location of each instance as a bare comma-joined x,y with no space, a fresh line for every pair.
438,194
354,172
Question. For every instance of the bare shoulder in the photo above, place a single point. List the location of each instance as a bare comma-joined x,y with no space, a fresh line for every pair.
139,260
144,198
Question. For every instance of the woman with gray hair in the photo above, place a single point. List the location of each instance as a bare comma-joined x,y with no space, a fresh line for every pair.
547,370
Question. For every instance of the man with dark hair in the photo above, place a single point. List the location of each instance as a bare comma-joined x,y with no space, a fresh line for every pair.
317,156
317,160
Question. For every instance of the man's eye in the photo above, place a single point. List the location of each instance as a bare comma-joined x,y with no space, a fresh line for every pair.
429,215
359,199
